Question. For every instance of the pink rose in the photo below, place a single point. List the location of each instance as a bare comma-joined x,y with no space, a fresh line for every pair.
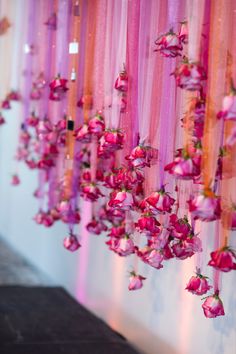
135,281
121,200
90,192
198,285
148,223
96,227
58,84
15,181
179,228
223,259
183,249
121,83
160,201
82,134
71,243
213,306
6,104
153,257
140,156
124,246
205,207
228,108
189,76
169,45
96,125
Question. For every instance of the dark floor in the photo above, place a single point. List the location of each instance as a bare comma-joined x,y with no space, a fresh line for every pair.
40,319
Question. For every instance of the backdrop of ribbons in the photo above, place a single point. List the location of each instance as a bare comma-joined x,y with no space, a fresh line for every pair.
130,105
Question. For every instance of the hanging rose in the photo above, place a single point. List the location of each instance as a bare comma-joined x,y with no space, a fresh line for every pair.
2,120
140,156
117,231
183,33
190,76
13,96
35,94
58,84
15,181
198,285
96,227
82,134
121,83
148,223
71,243
206,206
169,45
121,200
32,120
229,106
112,140
89,191
40,81
124,246
96,125
6,104
213,306
183,249
153,257
45,162
184,165
223,259
160,201
135,281
25,137
179,228
115,216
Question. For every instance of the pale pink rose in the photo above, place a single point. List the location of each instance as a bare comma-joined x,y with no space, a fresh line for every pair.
135,281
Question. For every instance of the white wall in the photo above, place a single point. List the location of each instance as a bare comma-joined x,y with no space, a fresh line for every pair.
161,318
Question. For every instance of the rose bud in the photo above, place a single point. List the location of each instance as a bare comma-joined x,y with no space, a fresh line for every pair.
206,206
223,259
71,243
213,306
198,285
169,45
135,281
189,76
